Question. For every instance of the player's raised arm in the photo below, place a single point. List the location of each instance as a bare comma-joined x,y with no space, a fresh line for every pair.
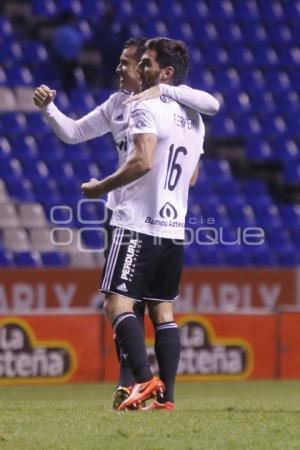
69,130
200,101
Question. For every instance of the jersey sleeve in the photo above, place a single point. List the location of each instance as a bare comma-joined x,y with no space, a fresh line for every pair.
142,120
200,101
70,131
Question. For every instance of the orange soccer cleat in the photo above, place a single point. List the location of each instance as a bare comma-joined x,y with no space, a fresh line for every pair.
141,392
155,406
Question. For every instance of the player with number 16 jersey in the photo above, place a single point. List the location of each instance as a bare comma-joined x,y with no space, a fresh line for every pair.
156,204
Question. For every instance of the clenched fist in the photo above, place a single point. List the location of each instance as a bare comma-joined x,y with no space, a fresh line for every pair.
43,95
91,189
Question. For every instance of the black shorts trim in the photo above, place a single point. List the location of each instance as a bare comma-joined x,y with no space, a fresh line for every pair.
108,291
160,299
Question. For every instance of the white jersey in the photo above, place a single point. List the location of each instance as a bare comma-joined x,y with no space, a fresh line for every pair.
111,116
156,203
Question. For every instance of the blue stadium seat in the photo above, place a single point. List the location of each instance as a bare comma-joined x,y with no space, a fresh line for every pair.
286,149
288,257
239,104
243,217
223,126
277,81
10,51
229,32
279,239
253,80
290,215
13,123
291,172
18,76
262,256
264,56
81,101
11,169
196,10
46,191
228,80
85,172
238,259
268,216
6,31
25,148
205,31
78,153
262,102
46,8
20,189
34,53
246,11
217,169
216,57
289,56
295,237
61,170
93,239
249,126
181,30
3,79
280,34
254,33
27,259
35,170
211,257
6,258
288,103
5,149
216,214
55,259
191,255
36,124
240,56
90,9
69,190
258,150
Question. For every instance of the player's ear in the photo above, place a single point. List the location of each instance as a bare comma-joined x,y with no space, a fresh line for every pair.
167,73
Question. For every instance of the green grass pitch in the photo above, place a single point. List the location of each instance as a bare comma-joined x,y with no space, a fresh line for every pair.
241,415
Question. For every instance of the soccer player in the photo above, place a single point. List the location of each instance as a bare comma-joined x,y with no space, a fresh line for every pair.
113,116
164,144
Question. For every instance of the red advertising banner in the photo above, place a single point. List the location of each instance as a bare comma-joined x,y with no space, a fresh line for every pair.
214,347
50,349
202,290
289,325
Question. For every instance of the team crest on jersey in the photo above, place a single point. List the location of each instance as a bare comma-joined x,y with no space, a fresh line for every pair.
166,99
168,211
139,119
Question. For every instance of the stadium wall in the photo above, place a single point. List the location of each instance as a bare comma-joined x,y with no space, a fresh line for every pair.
79,347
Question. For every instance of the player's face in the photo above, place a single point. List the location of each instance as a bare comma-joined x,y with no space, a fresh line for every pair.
149,69
127,70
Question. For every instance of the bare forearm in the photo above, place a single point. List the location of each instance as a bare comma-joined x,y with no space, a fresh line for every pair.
131,171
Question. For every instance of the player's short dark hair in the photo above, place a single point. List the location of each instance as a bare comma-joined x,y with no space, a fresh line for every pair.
171,53
139,43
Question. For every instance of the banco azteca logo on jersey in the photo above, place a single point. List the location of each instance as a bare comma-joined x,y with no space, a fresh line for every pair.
168,211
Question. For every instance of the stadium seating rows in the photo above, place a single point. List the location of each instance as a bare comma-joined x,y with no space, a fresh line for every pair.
245,52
